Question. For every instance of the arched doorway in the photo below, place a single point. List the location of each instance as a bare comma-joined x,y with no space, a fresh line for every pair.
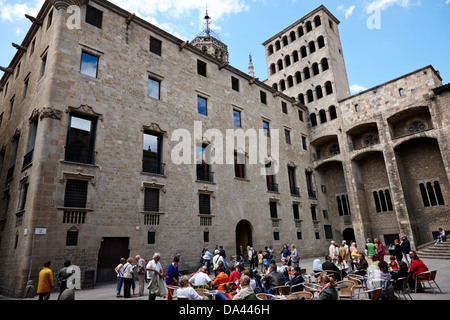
348,235
243,235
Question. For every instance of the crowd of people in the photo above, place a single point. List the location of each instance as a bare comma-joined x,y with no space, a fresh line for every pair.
235,281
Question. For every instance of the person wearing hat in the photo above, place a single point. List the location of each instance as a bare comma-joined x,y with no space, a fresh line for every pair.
216,259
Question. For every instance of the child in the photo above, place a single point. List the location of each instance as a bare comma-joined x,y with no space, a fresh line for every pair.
393,264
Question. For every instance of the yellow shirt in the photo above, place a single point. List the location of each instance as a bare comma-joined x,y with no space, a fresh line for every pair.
45,280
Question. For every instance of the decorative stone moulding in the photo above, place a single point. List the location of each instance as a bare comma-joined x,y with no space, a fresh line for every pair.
64,4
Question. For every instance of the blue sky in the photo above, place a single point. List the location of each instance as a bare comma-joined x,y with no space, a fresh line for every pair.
409,35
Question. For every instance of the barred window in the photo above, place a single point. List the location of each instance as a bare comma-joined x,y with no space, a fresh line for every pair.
155,46
94,16
151,237
76,194
204,201
72,238
273,210
151,199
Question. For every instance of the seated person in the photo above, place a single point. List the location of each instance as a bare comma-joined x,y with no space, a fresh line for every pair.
272,279
186,291
401,273
220,280
296,279
330,266
393,264
200,279
244,292
328,291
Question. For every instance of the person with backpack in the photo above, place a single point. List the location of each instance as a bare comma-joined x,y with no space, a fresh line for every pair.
63,275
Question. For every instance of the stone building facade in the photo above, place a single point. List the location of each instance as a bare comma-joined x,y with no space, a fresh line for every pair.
91,108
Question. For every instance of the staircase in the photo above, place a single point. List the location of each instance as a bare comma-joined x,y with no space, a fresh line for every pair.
439,251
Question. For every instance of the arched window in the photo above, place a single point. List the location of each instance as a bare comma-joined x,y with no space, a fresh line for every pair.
272,69
275,86
321,42
308,26
401,92
303,52
287,60
310,96
319,93
298,77
312,47
290,81
317,21
324,63
328,88
295,55
282,85
437,189
285,41
322,116
280,65
301,33
292,35
306,73
277,45
315,68
313,119
332,111
270,49
301,98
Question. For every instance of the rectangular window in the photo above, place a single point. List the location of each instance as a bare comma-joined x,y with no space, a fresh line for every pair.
81,140
299,235
154,87
270,178
235,83
273,210
203,168
300,115
49,19
94,16
151,237
206,236
72,238
18,70
27,159
204,203
263,97
202,106
89,64
76,193
24,196
239,165
287,135
201,68
276,235
328,232
284,107
155,46
266,128
11,106
309,185
296,211
237,118
305,146
43,65
292,181
25,87
152,154
151,200
313,213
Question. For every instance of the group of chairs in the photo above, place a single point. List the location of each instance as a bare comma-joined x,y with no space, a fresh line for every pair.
352,287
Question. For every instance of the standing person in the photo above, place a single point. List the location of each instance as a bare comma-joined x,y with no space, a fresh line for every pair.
119,273
128,270
140,270
371,249
270,251
406,248
250,258
241,254
260,260
207,257
286,253
224,257
380,249
154,269
45,284
216,259
294,255
343,251
397,250
332,251
354,251
254,258
441,236
63,275
172,276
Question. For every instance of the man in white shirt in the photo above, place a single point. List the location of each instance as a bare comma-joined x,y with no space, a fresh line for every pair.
152,267
200,278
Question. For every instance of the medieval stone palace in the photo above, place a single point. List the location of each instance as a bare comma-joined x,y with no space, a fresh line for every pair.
97,101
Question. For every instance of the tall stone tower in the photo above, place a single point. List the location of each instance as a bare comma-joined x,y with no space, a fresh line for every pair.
305,61
208,42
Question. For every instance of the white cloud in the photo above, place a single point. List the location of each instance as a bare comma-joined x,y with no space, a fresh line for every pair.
348,11
12,13
381,5
447,2
355,88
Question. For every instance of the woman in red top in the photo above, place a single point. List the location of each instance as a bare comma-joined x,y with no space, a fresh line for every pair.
380,249
417,266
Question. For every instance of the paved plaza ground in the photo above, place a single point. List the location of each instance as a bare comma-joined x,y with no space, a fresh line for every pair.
107,291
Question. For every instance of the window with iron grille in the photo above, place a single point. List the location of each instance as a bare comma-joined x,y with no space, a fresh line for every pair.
235,83
151,199
76,193
299,235
276,235
151,237
155,46
72,238
273,209
328,232
94,16
204,202
205,236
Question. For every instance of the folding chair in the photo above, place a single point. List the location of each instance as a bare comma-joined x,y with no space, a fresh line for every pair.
430,279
